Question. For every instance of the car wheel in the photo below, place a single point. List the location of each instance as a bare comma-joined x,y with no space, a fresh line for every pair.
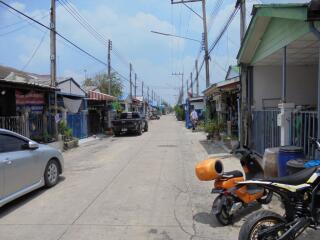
117,134
139,130
51,174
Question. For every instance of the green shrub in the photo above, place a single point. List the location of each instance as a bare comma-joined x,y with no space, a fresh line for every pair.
65,130
180,113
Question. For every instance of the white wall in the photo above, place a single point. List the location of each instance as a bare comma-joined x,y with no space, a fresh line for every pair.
70,87
301,85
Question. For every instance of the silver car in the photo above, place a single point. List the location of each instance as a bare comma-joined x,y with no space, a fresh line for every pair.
26,165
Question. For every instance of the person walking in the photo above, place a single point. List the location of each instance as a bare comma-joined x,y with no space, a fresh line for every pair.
194,119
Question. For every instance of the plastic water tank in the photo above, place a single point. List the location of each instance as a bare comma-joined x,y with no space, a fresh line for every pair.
294,166
287,153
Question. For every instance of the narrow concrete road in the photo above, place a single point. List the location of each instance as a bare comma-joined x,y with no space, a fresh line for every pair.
125,188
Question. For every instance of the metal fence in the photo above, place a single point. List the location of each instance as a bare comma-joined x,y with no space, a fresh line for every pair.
18,124
265,132
32,126
303,126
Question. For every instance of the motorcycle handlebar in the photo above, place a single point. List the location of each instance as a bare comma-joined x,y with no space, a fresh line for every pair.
316,142
241,151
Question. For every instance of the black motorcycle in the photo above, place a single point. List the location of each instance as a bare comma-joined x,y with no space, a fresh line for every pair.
300,195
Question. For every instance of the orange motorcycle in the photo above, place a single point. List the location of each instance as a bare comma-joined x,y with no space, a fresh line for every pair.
231,198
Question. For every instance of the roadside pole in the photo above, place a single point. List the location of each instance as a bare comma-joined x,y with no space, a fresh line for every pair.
191,85
206,47
109,65
182,84
142,89
242,99
205,33
109,78
135,85
53,62
197,78
130,81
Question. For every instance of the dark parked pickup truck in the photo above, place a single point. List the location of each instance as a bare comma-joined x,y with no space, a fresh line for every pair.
131,122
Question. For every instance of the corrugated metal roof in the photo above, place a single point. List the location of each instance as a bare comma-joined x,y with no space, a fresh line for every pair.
13,75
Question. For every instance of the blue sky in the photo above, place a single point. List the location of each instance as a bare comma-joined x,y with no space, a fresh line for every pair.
128,24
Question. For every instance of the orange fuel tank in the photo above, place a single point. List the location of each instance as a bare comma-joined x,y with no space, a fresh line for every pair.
209,169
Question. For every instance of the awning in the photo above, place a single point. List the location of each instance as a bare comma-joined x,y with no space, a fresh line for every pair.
73,105
92,95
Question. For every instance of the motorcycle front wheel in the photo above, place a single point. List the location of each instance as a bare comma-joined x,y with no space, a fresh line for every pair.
260,221
223,217
220,209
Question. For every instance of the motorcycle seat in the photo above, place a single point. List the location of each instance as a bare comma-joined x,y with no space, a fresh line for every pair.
298,178
232,174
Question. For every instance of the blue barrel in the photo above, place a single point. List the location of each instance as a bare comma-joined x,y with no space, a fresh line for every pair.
286,154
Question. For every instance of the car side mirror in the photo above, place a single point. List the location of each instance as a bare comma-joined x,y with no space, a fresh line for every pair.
33,145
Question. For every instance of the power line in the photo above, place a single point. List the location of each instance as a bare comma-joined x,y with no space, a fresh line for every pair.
20,28
224,28
92,30
34,52
18,22
60,35
214,14
89,28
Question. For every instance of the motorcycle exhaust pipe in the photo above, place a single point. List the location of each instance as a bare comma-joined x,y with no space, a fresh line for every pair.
209,169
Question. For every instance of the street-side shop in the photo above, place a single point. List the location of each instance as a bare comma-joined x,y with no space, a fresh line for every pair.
26,103
222,101
99,111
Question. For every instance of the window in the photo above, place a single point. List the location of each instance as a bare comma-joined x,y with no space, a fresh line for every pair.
10,143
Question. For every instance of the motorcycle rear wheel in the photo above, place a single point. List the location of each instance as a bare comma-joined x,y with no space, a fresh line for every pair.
259,221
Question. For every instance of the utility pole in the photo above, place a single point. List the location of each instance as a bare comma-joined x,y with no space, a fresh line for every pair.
206,46
242,4
148,95
109,65
135,85
85,74
187,87
197,78
205,34
53,60
191,85
142,89
130,81
182,85
242,98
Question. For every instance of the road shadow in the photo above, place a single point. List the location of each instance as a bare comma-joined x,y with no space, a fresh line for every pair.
25,199
212,148
127,135
210,219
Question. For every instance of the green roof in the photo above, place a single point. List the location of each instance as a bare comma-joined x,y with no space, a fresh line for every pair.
272,27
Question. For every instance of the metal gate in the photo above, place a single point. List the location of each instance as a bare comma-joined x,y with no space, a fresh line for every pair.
78,123
265,131
303,126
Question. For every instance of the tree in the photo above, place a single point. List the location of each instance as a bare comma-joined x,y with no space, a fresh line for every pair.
101,81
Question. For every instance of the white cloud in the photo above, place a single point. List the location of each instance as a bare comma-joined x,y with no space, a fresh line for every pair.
18,5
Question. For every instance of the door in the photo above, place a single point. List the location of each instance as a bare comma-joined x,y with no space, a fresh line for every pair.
18,165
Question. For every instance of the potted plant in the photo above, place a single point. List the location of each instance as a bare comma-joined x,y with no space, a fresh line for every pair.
68,140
